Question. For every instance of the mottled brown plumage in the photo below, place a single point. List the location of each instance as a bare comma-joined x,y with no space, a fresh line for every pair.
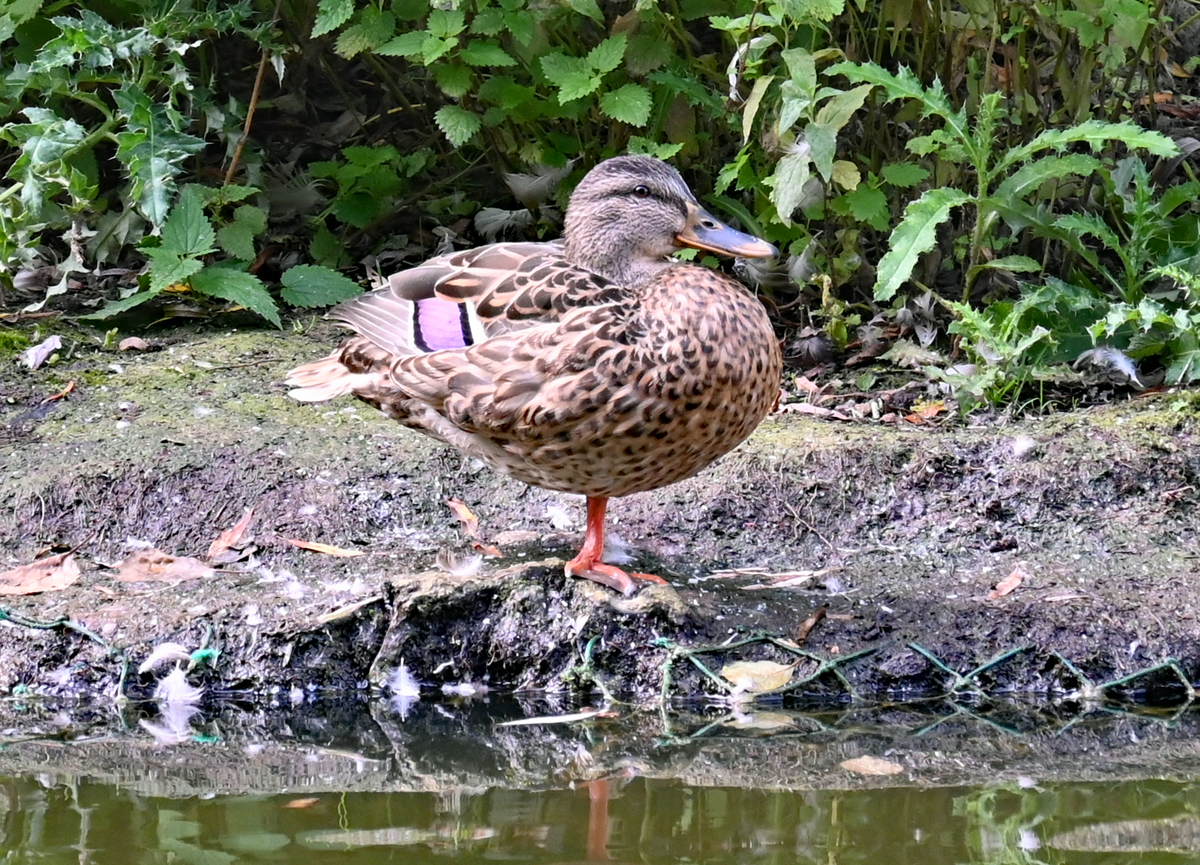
595,365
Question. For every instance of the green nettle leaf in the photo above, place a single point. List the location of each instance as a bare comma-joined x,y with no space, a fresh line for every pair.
454,81
237,241
331,14
903,175
457,124
379,26
488,22
231,194
486,52
435,47
353,41
446,23
309,286
370,157
647,52
813,10
868,204
522,27
788,184
168,267
410,44
587,7
572,76
187,230
607,56
359,209
914,236
237,238
410,10
505,92
629,104
645,147
237,286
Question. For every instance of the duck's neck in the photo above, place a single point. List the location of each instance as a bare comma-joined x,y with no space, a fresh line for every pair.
622,265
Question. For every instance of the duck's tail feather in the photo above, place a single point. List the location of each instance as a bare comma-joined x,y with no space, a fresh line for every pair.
323,380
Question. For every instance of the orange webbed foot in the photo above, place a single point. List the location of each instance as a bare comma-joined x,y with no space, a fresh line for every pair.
609,575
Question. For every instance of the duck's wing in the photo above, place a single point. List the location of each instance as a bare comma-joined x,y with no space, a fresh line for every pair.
541,378
463,298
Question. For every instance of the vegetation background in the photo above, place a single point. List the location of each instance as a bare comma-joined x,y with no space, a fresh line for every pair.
988,189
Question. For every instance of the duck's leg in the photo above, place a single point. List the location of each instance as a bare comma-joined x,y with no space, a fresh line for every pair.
588,564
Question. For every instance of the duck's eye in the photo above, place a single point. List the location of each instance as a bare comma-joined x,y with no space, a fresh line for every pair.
641,191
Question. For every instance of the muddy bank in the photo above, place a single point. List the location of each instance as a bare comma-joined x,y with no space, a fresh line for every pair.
900,533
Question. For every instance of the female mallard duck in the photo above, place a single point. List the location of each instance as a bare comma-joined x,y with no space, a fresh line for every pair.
595,364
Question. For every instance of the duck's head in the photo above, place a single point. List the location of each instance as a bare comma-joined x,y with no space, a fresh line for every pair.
629,214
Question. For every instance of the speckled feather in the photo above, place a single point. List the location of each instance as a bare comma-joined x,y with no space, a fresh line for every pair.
601,384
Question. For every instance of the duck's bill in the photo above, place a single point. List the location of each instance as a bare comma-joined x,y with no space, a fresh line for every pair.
705,231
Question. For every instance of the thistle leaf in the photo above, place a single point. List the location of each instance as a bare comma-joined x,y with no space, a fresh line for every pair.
914,236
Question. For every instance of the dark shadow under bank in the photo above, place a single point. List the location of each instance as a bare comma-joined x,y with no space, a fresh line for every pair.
901,534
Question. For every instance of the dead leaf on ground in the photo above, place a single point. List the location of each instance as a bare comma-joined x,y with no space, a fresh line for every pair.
231,537
36,355
327,549
470,522
923,412
811,622
754,677
871,766
1009,583
135,343
487,549
145,565
44,575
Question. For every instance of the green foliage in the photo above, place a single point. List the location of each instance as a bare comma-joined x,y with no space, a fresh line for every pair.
1008,184
307,286
116,113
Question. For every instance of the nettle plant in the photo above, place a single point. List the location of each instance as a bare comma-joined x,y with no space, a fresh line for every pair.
104,118
539,83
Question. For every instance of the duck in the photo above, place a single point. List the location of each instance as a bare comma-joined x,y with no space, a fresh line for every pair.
598,364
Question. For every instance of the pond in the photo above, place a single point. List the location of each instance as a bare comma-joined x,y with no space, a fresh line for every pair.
372,783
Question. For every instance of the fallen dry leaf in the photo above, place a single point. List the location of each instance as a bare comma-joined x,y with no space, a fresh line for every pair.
871,766
811,622
487,549
470,522
44,575
231,536
135,343
36,355
1009,583
754,677
145,565
324,548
